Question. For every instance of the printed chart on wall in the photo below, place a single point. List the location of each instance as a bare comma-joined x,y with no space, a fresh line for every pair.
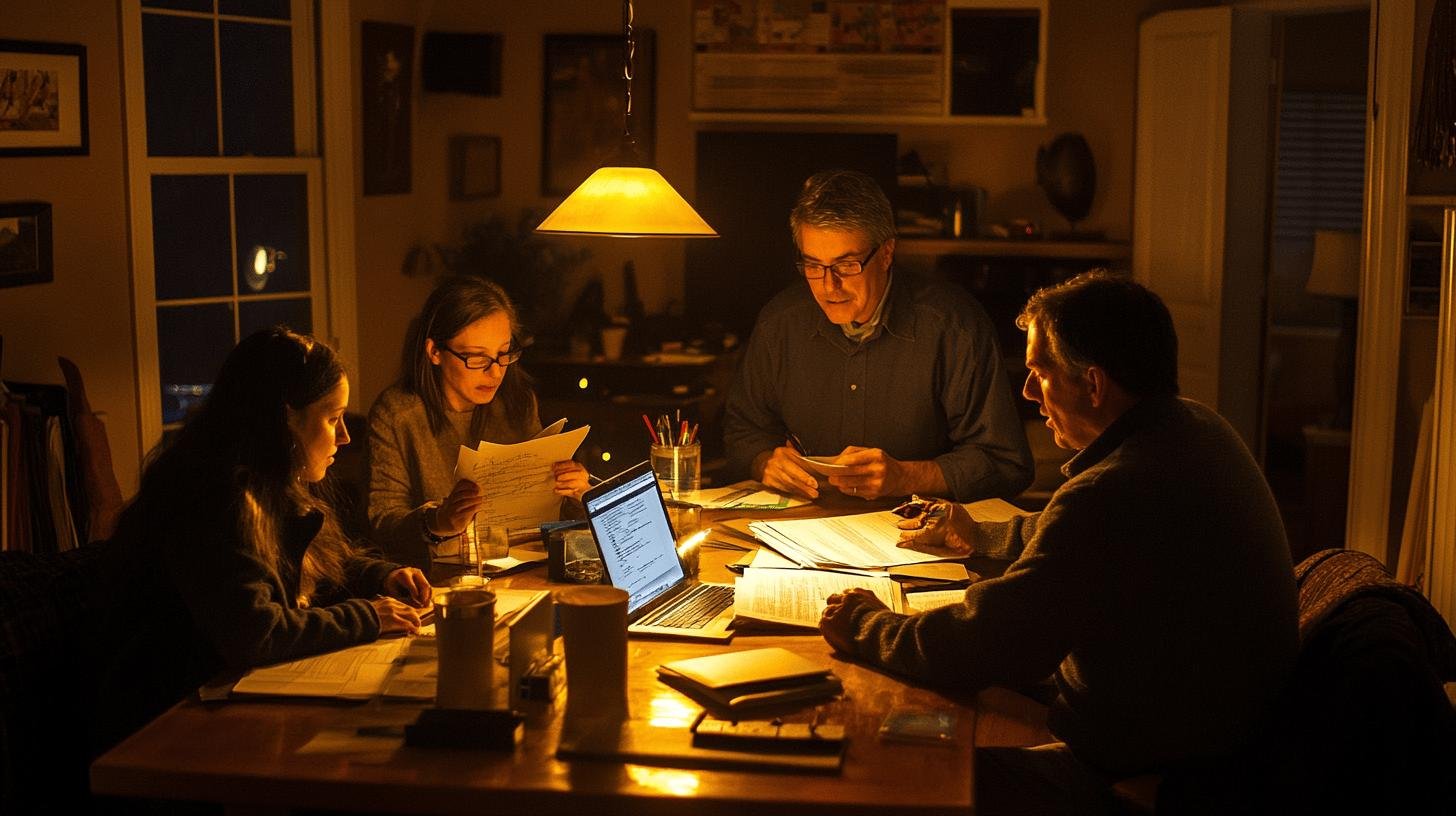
824,57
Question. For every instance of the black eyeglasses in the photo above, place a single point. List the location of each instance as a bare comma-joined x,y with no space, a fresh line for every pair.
476,361
843,269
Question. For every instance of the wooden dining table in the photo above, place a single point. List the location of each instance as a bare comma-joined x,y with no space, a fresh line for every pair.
278,755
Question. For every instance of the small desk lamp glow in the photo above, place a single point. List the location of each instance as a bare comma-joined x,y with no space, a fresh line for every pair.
625,198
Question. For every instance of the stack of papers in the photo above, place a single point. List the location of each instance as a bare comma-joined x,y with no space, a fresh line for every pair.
393,667
516,480
746,495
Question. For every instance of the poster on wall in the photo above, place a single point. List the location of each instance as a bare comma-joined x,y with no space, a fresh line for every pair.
868,60
388,51
42,99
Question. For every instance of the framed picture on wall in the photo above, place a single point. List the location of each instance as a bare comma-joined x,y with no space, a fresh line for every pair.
474,167
25,243
585,101
42,99
388,52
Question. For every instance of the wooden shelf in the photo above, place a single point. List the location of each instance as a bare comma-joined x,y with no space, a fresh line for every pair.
1014,248
1431,200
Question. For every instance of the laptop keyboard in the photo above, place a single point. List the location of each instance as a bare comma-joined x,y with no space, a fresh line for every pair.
694,609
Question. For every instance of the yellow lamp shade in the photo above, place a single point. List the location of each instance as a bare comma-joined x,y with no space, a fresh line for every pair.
627,202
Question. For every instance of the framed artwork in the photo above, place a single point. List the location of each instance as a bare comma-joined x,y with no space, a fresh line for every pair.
474,167
388,52
42,99
584,108
25,243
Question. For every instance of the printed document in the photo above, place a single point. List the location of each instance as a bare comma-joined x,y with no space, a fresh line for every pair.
865,541
516,479
796,597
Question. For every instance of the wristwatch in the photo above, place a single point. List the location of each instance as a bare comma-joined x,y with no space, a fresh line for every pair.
425,527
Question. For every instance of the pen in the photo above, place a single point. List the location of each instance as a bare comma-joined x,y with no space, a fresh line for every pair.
651,433
683,433
693,434
793,440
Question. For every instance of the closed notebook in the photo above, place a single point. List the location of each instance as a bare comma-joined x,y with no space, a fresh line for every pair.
737,681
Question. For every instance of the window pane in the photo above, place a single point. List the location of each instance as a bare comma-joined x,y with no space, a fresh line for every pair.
257,89
180,5
272,213
190,236
192,342
180,86
264,314
277,9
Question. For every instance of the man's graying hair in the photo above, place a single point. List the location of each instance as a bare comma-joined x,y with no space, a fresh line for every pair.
843,201
1109,321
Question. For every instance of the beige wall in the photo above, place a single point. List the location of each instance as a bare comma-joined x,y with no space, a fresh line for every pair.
85,313
1091,71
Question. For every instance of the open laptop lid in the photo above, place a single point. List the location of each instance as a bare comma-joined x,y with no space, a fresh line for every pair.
630,523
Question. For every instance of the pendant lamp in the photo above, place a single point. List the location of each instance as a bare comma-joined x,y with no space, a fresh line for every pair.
626,198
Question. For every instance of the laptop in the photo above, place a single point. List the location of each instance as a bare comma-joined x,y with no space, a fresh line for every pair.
639,553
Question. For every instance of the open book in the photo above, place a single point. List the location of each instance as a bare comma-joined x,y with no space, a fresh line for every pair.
395,667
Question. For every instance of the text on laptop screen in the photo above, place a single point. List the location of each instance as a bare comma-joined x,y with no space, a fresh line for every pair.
631,528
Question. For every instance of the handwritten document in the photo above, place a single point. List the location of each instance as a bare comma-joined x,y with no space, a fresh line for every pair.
796,597
516,480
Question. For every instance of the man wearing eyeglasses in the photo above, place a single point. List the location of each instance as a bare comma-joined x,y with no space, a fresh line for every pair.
894,376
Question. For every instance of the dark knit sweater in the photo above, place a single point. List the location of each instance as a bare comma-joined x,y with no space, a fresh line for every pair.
1156,586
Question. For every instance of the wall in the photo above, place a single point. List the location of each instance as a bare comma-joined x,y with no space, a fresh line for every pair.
1091,71
85,313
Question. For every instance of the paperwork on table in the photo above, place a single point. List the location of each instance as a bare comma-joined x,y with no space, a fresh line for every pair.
746,495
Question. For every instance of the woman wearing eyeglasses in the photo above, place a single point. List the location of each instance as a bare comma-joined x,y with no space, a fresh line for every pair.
459,384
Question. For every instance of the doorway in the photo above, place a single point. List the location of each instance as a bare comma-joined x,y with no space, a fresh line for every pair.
1312,282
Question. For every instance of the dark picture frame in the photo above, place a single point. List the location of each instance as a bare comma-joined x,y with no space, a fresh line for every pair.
583,108
43,99
387,51
25,243
475,166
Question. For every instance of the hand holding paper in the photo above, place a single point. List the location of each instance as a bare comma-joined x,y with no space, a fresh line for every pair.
518,482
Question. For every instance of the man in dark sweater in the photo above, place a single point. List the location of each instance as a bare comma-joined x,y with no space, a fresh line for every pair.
1156,587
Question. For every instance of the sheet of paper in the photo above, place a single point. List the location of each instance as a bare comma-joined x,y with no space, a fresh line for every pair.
745,495
796,597
993,510
866,541
824,465
933,599
516,479
552,429
358,672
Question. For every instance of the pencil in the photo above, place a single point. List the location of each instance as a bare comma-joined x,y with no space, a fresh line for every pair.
650,432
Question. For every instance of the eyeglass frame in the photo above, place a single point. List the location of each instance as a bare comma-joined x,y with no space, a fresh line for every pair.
802,266
517,347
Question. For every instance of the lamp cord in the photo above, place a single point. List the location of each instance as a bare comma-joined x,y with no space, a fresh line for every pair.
629,53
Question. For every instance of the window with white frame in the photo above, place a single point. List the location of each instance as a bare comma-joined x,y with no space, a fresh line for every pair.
225,187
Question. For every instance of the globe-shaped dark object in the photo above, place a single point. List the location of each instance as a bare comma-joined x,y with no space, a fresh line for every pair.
1065,172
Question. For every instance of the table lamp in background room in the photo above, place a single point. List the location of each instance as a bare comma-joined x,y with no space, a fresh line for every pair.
1335,272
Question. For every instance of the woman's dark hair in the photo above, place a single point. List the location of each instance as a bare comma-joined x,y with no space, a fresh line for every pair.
1120,326
237,447
456,302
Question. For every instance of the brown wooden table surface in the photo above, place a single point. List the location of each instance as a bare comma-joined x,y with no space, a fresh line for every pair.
245,753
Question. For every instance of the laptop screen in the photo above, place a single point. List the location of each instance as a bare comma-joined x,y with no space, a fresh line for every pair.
630,523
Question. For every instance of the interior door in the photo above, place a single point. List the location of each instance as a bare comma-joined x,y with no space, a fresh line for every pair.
1199,211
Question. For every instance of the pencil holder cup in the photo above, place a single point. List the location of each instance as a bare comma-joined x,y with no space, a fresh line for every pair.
679,468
